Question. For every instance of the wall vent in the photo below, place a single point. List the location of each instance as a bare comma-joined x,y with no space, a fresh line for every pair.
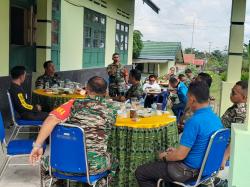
101,3
123,13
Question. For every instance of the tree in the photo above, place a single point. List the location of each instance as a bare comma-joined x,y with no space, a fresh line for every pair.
137,43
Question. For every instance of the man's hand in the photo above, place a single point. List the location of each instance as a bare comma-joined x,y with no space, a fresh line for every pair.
35,155
170,149
162,155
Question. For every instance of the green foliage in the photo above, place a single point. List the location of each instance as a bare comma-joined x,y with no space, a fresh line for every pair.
137,43
223,76
198,54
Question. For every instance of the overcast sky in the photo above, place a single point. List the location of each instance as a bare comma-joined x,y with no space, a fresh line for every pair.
174,23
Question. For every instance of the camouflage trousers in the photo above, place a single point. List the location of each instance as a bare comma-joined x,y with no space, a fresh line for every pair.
97,164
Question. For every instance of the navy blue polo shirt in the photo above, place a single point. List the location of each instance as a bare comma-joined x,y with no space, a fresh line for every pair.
182,92
196,135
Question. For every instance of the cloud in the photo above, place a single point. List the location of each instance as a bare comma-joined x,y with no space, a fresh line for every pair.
211,19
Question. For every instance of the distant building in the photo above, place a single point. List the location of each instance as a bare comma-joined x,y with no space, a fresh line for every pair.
158,57
190,59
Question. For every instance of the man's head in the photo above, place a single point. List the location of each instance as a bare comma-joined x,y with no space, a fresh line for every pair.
204,77
173,82
239,92
96,86
182,77
172,70
49,68
198,94
116,57
18,73
134,76
189,73
152,79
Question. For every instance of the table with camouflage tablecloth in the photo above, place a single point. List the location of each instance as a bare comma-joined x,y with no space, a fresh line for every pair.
50,101
136,143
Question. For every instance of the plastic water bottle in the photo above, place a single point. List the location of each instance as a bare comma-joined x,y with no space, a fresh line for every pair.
141,103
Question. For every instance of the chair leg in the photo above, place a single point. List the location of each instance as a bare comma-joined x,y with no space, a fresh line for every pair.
159,182
13,133
18,129
5,167
50,182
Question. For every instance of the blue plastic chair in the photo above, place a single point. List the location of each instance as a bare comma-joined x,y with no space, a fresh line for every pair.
164,95
15,148
212,160
68,156
21,123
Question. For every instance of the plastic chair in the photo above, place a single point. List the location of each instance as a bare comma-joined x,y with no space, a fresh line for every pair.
68,156
212,160
15,148
20,123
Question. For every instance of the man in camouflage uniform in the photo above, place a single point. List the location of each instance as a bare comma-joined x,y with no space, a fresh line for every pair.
95,115
49,76
237,112
136,89
117,77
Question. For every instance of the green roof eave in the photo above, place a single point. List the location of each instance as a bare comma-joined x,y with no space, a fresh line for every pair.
152,5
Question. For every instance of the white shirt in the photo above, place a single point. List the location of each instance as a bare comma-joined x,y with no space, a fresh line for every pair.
154,86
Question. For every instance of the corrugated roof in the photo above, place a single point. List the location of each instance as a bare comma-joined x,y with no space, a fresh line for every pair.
199,62
160,50
152,5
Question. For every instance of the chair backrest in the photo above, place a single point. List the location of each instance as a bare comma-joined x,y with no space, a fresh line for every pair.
214,153
11,107
2,133
68,150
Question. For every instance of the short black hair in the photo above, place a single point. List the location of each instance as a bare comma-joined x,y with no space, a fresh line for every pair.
136,74
97,84
115,54
152,76
173,80
244,86
181,75
206,78
17,71
200,90
46,64
188,71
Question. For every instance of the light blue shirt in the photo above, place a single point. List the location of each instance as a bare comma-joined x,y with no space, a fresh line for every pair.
196,135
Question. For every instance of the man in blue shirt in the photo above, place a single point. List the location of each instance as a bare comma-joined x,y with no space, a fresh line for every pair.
181,91
183,163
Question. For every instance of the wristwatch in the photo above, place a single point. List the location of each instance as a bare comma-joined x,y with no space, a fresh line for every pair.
35,145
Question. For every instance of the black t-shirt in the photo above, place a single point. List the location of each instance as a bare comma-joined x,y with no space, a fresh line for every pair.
20,103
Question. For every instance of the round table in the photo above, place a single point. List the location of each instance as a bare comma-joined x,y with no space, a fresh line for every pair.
50,101
137,143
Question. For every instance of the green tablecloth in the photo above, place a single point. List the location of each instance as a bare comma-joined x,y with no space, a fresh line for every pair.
136,146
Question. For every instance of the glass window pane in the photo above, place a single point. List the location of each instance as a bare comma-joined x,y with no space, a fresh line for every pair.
102,44
96,34
122,38
126,39
87,32
95,18
117,41
126,46
87,43
126,28
55,5
121,46
103,21
117,26
95,44
122,27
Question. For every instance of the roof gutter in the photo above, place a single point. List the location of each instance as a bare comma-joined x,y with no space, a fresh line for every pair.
152,5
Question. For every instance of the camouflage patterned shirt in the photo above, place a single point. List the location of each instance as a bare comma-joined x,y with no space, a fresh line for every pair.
234,114
41,81
96,116
116,78
135,91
